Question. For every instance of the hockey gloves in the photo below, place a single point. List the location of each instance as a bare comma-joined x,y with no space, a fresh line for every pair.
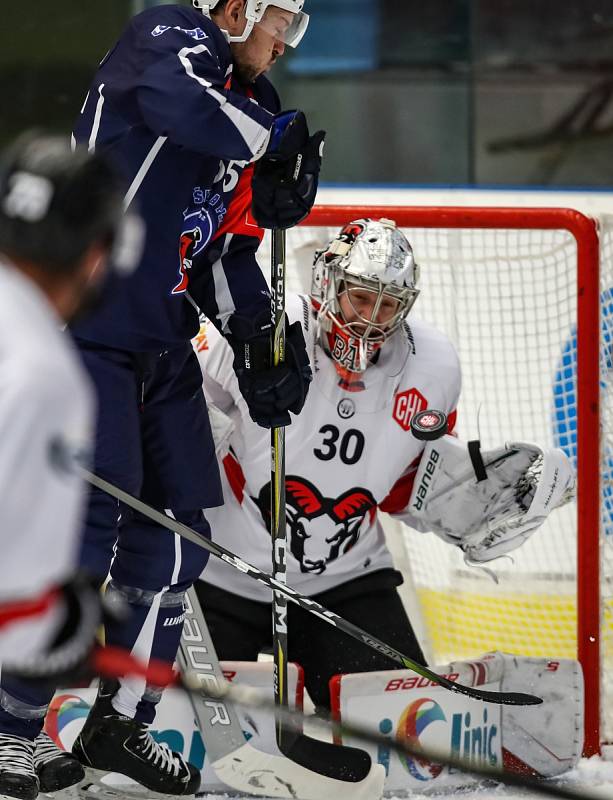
285,178
270,392
66,657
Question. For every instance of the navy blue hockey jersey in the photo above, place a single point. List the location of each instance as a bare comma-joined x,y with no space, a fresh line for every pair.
164,106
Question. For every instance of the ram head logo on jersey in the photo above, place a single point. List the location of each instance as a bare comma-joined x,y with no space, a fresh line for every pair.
309,517
188,243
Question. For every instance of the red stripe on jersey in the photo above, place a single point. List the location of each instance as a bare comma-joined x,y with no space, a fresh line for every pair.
239,218
235,476
22,609
400,493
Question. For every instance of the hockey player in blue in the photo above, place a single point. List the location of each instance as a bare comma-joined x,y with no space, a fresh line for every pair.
181,104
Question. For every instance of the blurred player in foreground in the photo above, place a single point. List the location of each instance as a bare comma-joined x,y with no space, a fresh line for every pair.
350,454
60,217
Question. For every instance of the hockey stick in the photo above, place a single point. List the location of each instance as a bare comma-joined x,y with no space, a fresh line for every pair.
294,744
115,662
236,762
307,603
278,524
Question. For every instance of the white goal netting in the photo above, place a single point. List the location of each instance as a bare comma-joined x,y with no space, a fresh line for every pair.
508,300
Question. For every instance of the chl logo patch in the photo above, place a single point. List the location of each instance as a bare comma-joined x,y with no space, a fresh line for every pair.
406,405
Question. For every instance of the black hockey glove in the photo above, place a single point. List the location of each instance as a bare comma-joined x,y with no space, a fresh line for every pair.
66,660
270,392
285,178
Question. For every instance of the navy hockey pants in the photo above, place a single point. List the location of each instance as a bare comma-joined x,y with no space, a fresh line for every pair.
153,440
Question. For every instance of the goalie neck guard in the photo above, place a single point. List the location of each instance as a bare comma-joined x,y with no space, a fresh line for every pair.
363,287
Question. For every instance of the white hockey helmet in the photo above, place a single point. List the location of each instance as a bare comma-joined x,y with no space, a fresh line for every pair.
262,12
366,255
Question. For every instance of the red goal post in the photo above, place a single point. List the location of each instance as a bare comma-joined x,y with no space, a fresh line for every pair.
584,232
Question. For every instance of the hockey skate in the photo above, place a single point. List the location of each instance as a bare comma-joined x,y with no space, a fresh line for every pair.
56,769
112,743
17,774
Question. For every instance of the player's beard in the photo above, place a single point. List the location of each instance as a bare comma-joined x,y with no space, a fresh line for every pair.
244,74
244,70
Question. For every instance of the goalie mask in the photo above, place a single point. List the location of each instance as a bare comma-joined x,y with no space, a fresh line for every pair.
273,17
364,285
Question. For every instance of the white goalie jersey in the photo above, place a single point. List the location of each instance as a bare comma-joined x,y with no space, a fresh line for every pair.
348,454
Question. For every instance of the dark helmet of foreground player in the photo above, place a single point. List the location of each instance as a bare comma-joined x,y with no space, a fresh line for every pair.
370,256
55,203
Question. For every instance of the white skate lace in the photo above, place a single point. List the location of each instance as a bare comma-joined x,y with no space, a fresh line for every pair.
160,754
16,755
45,750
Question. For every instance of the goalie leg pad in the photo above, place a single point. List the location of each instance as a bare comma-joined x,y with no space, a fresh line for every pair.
543,741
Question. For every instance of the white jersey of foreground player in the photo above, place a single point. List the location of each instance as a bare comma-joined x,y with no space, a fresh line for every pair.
46,419
347,454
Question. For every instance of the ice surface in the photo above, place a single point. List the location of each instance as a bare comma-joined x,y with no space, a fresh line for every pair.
593,775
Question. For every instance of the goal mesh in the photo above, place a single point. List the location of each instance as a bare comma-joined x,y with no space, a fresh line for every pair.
503,285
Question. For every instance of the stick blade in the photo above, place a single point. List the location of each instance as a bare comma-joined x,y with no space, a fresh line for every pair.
502,698
350,764
257,773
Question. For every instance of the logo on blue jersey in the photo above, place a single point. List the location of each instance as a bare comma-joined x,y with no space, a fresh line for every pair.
208,201
188,246
195,33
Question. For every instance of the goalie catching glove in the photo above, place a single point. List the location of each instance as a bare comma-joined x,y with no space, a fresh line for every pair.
487,503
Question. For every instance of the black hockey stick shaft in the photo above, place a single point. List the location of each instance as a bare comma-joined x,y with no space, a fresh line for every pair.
278,531
292,743
307,603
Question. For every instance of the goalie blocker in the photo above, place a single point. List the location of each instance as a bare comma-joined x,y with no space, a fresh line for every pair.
487,503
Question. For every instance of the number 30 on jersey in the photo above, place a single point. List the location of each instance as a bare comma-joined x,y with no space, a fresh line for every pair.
349,445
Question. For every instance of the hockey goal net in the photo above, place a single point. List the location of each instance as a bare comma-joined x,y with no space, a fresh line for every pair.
518,292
